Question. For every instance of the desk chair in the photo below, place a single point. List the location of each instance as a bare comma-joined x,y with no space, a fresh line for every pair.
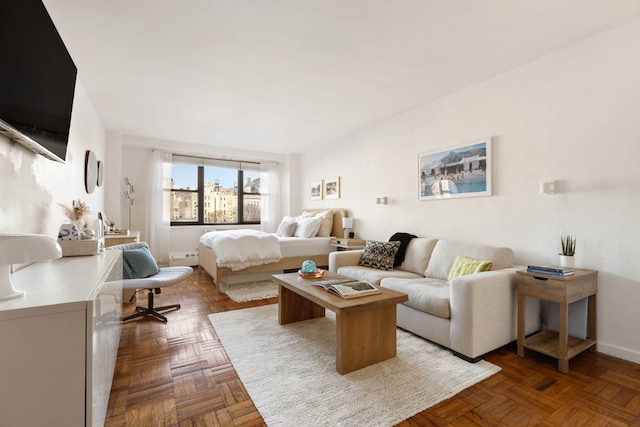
137,263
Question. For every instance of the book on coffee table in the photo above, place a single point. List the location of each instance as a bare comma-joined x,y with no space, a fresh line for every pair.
347,288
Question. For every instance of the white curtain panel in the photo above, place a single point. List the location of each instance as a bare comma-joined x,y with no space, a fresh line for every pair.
270,200
158,224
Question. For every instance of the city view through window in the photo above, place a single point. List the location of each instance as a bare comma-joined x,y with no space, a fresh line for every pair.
223,202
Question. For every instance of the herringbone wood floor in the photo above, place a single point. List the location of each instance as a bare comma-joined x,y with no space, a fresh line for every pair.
177,374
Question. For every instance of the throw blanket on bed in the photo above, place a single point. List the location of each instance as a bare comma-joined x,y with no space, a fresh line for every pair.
238,249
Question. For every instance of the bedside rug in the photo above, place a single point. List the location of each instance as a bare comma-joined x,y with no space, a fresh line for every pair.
289,372
251,291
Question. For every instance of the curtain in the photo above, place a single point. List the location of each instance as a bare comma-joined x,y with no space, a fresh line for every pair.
270,197
158,224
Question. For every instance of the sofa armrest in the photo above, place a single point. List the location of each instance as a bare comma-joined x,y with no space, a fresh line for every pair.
483,311
343,258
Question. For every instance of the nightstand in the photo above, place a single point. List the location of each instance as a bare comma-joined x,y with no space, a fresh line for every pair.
346,244
562,290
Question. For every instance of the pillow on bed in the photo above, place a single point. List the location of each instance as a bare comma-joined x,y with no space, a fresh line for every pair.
307,227
327,223
287,227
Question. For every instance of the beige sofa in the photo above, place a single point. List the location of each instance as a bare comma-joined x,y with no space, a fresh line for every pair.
471,315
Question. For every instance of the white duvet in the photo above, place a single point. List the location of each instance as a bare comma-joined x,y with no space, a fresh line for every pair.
239,249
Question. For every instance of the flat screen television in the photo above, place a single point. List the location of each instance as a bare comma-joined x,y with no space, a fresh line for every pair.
37,79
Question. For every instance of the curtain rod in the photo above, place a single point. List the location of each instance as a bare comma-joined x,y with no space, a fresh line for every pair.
216,158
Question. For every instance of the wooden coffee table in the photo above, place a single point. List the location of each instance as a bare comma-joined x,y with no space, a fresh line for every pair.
365,326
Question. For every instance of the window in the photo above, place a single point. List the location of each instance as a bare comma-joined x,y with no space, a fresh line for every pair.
206,191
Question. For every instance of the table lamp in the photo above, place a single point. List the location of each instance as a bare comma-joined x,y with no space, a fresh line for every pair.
23,249
347,224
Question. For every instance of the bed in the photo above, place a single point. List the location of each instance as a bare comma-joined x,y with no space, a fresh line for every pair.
294,251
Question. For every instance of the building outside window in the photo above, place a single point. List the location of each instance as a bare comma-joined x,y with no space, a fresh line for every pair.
206,191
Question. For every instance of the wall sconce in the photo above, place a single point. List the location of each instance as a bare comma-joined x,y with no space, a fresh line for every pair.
347,224
548,187
381,200
128,194
23,249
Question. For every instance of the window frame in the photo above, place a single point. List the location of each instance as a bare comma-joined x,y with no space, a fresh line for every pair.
201,189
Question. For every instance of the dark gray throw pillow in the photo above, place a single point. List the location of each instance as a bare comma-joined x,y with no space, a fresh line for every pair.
379,255
139,263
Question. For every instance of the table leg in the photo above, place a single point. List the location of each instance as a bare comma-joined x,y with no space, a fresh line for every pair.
294,308
563,362
365,337
521,324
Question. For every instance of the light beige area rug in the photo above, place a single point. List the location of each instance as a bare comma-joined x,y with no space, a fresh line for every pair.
289,372
251,291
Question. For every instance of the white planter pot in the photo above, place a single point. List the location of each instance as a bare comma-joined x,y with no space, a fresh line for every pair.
567,261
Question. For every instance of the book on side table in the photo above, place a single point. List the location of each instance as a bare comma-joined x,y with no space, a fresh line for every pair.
551,270
347,288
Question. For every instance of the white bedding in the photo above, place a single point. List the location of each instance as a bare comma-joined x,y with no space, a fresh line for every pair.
238,249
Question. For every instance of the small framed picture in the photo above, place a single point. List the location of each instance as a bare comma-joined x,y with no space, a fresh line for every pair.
315,190
332,188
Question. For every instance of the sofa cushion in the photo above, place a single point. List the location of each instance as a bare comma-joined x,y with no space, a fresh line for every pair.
427,295
379,255
417,256
463,266
446,251
373,275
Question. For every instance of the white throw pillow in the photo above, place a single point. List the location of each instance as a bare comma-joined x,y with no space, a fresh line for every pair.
307,227
287,228
327,223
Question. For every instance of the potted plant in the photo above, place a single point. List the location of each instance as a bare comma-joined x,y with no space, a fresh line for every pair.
568,251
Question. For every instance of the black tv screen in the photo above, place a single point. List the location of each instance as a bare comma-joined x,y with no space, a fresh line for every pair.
37,79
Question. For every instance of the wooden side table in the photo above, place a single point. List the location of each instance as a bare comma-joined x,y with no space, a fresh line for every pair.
564,291
347,244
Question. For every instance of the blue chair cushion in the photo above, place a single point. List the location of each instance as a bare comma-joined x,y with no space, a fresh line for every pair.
139,263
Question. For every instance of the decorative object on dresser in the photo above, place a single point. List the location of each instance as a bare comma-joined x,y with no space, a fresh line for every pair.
461,171
23,249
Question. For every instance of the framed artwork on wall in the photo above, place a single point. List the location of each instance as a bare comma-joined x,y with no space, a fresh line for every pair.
332,188
315,190
460,171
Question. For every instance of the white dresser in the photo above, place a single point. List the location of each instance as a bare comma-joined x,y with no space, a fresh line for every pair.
59,342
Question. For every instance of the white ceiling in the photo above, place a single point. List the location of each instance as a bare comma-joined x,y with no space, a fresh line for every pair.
286,75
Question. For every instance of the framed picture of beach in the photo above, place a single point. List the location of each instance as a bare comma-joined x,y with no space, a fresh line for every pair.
315,190
460,171
332,188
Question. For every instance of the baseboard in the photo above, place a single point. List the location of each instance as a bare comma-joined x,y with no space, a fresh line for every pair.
620,352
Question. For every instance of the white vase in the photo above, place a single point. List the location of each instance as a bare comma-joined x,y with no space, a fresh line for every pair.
567,261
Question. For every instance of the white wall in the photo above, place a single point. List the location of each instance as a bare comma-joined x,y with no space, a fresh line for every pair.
31,186
571,116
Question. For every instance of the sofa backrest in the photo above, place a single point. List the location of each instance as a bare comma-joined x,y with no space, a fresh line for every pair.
446,251
418,253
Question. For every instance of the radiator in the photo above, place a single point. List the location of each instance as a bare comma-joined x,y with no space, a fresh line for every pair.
184,258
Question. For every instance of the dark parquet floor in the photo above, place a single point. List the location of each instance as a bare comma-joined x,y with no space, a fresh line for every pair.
177,374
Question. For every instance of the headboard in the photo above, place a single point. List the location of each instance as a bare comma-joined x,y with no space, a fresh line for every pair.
338,214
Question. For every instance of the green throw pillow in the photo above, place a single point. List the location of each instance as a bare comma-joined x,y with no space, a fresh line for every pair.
464,266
